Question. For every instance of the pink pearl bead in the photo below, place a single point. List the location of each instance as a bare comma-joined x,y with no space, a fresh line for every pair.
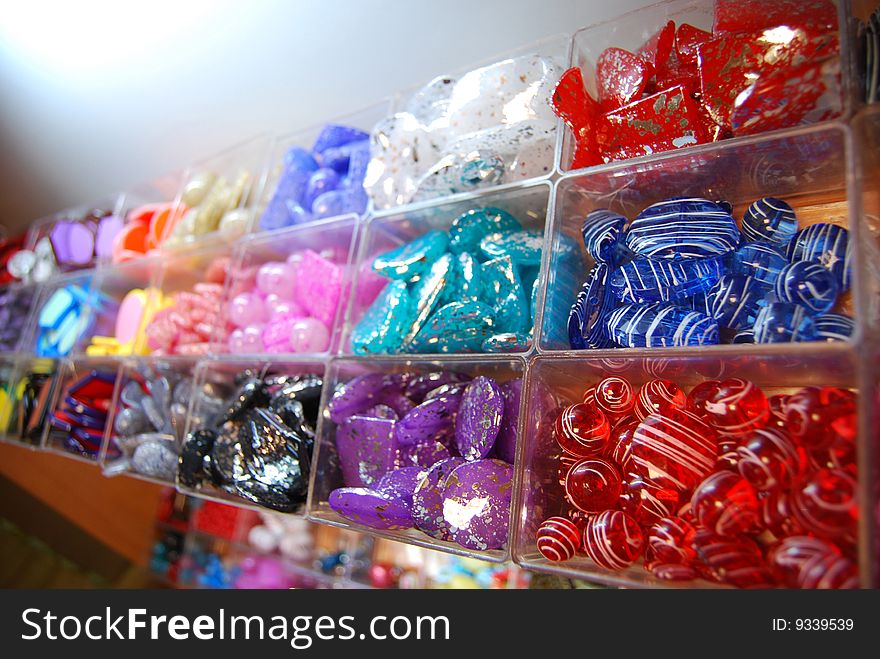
294,259
281,308
246,309
247,340
309,335
276,277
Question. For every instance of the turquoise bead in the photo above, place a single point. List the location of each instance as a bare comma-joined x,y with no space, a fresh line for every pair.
381,329
523,247
468,229
413,258
425,295
503,291
455,327
507,342
464,280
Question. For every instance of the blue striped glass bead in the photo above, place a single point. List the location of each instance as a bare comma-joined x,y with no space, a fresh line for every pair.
828,244
468,229
808,284
744,336
783,322
681,228
735,301
770,219
413,258
834,327
660,325
602,231
585,326
649,280
758,260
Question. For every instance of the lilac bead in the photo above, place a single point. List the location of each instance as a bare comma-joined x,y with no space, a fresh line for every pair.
370,508
276,278
246,309
479,418
400,484
476,504
428,499
321,181
309,335
505,444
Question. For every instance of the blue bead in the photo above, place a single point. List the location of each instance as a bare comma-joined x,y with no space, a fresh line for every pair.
336,135
585,320
468,229
507,342
808,284
735,301
602,231
683,227
834,327
770,219
649,280
425,295
455,327
744,336
503,291
660,325
827,244
523,247
783,322
380,330
759,260
413,258
464,281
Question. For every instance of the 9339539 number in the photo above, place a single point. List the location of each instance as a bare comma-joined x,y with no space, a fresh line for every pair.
823,624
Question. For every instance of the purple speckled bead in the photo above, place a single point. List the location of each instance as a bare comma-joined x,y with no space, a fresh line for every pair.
505,445
400,484
366,447
424,454
479,418
476,504
419,386
365,391
451,389
428,499
370,508
433,419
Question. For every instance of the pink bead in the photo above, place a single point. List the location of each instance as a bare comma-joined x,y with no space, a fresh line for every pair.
827,504
593,485
246,309
768,459
615,397
657,396
247,340
294,259
318,286
309,335
807,562
613,540
726,504
277,333
216,271
276,278
646,501
278,306
676,449
558,539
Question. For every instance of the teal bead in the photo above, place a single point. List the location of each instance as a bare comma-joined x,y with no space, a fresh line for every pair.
523,247
503,291
425,295
381,329
464,281
507,342
413,258
455,327
468,229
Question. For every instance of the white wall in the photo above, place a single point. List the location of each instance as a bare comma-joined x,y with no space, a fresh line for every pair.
98,95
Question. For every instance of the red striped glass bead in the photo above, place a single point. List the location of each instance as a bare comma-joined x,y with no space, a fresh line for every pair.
808,562
655,396
593,485
768,459
558,539
615,397
613,540
726,504
582,430
827,504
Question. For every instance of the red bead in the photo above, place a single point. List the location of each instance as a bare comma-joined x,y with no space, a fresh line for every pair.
769,460
777,403
613,540
840,455
736,407
736,561
558,539
593,485
621,77
589,398
827,504
817,417
566,462
675,449
727,453
669,542
655,396
807,562
749,15
619,446
701,395
656,50
776,515
578,517
646,501
580,111
726,504
673,571
582,430
687,38
615,397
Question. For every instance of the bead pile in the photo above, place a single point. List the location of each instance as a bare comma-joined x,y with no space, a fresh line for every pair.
429,451
723,484
682,274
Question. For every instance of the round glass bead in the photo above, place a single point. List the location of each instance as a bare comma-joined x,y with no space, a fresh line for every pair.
783,322
613,540
809,285
770,219
593,485
582,430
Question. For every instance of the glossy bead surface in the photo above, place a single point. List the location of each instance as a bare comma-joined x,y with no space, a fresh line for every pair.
558,539
770,219
813,563
735,407
827,504
809,285
783,322
646,280
769,460
593,485
656,396
660,325
834,327
668,542
582,430
613,540
827,244
759,260
646,500
615,397
817,417
732,560
586,326
734,301
680,228
602,231
726,504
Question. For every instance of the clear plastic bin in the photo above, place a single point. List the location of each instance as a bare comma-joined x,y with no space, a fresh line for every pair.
29,390
810,168
555,381
326,472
